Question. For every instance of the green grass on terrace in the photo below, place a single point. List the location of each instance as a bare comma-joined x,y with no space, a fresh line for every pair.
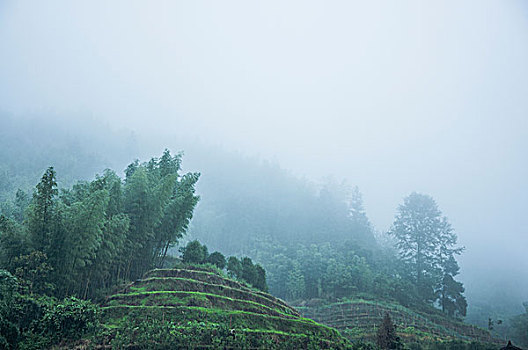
185,301
149,286
300,320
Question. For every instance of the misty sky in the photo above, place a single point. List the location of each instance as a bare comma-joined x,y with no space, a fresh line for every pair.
394,96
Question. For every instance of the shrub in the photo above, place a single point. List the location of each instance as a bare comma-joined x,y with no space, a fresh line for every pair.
218,259
69,319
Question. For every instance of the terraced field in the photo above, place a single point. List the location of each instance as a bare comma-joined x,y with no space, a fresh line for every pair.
358,320
198,307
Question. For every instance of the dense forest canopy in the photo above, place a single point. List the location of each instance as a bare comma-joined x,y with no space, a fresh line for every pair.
90,237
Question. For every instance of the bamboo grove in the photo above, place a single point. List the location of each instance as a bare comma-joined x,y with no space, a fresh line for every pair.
84,240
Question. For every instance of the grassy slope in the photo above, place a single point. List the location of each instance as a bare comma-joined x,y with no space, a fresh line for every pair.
210,307
358,319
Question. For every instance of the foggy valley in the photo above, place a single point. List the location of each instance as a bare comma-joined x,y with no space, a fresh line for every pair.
299,140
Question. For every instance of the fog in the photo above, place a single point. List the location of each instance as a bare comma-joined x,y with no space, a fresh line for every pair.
394,97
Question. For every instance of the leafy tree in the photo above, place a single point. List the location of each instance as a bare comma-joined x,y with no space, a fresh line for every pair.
295,283
84,223
42,218
33,271
22,201
27,322
324,271
386,337
13,242
248,270
106,268
194,253
89,237
160,203
218,259
312,263
138,204
176,215
234,267
68,319
260,278
9,331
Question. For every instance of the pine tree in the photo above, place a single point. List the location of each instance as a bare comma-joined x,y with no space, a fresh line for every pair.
386,337
451,297
449,291
360,222
425,241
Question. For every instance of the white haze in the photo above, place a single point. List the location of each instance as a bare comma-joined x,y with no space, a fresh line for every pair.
394,96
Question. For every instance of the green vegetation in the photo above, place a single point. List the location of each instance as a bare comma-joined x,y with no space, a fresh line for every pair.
347,268
520,327
360,320
31,322
168,311
84,240
426,246
96,237
244,270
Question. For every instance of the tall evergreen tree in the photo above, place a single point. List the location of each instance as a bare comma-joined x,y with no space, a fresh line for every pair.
360,222
425,242
42,220
450,292
386,337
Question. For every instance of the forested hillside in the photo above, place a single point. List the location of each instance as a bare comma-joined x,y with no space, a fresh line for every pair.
66,238
251,199
97,233
263,175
